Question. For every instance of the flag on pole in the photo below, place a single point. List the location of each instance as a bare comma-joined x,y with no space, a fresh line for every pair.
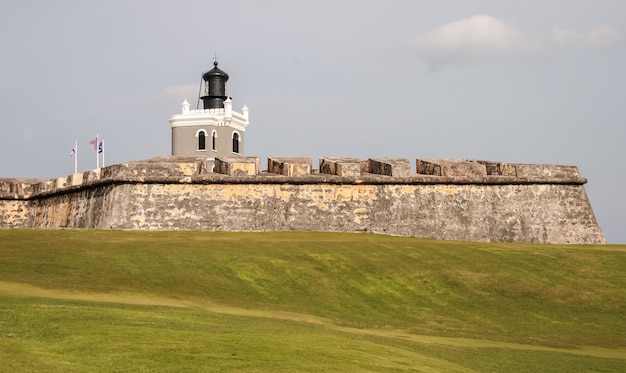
101,151
74,154
95,145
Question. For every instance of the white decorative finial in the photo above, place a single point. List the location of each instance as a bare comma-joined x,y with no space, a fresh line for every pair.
185,105
228,108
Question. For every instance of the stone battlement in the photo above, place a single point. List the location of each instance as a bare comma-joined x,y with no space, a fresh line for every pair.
444,199
297,170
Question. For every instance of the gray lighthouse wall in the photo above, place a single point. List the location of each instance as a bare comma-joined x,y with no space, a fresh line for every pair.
185,141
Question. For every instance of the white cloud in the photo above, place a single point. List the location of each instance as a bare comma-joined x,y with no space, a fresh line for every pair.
565,37
482,37
601,37
472,40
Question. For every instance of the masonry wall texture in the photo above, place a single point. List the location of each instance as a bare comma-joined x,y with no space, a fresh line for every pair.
547,204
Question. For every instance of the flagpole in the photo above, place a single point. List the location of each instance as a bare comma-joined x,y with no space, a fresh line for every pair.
97,154
75,156
102,144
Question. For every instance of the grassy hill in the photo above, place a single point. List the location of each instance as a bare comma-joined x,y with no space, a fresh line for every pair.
79,301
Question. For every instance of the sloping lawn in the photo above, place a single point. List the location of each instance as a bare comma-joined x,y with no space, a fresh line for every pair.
87,300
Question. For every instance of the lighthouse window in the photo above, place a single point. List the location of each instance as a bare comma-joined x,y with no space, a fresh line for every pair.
213,140
201,140
235,142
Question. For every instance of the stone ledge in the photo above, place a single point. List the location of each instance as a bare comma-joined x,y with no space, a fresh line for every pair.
394,167
543,170
237,166
344,167
498,168
173,170
289,166
450,167
269,178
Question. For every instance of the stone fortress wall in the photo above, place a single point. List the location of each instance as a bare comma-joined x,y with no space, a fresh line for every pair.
445,199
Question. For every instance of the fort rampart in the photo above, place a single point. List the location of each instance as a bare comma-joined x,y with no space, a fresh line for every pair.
445,199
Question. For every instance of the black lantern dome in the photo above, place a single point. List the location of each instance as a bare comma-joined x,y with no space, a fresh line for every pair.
214,88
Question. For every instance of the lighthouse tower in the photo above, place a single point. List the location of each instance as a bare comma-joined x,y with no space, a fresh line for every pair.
215,130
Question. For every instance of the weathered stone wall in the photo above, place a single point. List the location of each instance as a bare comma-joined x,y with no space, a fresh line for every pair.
14,214
180,195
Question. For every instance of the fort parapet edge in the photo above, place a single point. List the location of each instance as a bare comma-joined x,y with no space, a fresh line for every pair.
446,199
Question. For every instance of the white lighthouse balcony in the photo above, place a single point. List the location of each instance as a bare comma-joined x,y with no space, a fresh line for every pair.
214,116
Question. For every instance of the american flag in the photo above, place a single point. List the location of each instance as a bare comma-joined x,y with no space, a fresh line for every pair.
94,144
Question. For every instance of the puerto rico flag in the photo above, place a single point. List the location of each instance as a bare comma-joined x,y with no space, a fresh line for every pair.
97,146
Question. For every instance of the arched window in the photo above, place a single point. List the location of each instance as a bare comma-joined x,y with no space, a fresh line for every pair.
213,140
201,140
235,142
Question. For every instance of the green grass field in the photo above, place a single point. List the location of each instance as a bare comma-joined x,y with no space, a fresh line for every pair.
86,300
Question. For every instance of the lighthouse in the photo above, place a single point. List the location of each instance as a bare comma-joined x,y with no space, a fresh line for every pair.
216,129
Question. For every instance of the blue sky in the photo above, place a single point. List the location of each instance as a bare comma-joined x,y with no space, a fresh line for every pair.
511,81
